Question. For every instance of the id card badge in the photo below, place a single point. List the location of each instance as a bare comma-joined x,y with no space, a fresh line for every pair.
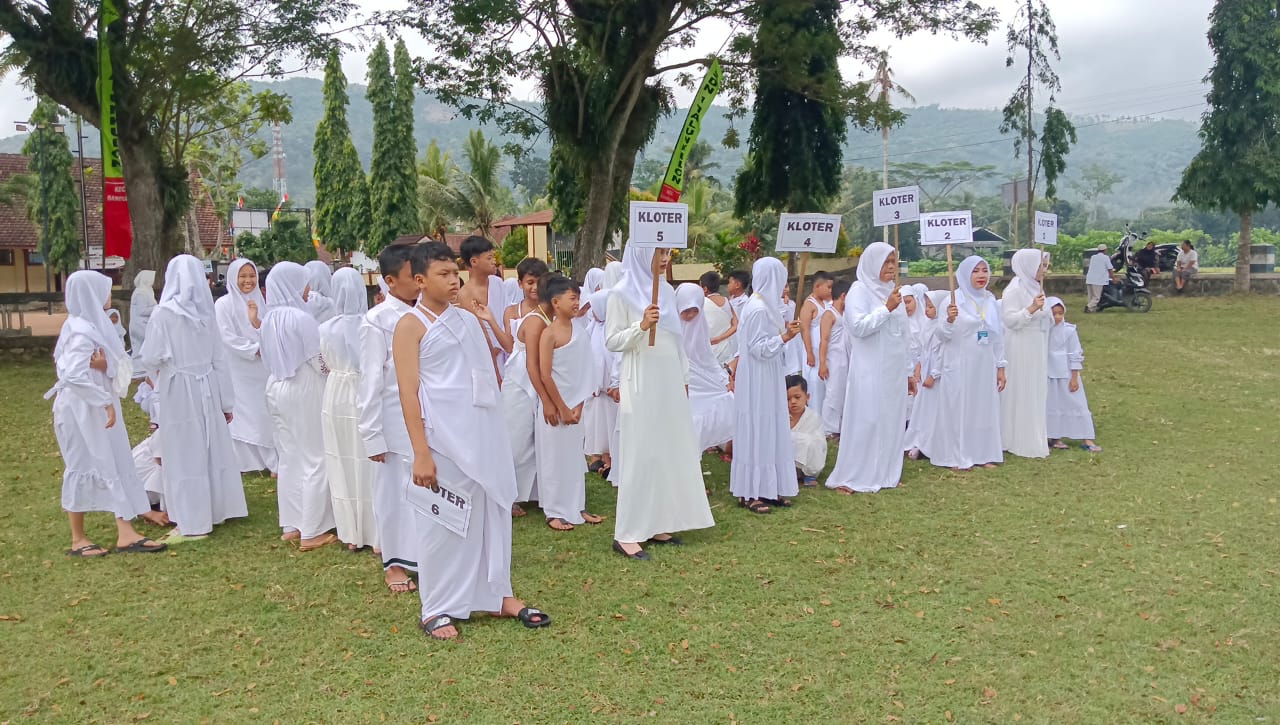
984,337
445,507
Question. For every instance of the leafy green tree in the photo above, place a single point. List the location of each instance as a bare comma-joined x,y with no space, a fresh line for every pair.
53,204
393,177
437,167
342,195
257,197
220,154
1095,182
474,197
288,240
515,247
531,177
172,61
1032,31
402,207
1238,168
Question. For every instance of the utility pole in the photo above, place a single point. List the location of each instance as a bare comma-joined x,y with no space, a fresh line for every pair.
84,201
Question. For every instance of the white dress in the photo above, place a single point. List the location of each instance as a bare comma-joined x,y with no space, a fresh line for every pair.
658,468
817,386
1068,412
302,490
967,432
600,413
925,422
1024,403
458,392
793,352
520,408
98,472
711,404
347,465
875,408
562,469
832,409
202,485
141,305
251,426
718,321
383,432
763,454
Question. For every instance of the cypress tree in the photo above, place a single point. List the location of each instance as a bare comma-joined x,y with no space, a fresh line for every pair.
53,205
402,204
382,167
342,195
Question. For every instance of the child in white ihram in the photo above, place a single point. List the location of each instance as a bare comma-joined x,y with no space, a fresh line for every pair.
807,432
1069,415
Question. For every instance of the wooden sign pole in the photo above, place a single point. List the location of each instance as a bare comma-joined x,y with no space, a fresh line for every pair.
951,275
897,272
804,262
653,331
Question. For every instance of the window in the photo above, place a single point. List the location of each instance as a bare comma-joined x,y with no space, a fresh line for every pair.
34,259
6,257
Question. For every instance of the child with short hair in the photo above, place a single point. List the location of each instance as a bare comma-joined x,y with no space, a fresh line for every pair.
833,359
522,387
565,364
811,313
1068,408
484,294
807,434
448,390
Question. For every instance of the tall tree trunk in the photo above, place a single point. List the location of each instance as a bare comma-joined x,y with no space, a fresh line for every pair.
1243,252
1031,179
155,232
588,247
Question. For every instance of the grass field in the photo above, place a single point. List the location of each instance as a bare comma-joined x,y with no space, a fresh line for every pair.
1139,585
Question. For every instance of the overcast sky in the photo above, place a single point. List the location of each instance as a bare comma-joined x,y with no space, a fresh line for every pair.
1119,57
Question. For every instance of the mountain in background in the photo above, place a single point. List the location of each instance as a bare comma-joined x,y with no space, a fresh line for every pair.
1148,154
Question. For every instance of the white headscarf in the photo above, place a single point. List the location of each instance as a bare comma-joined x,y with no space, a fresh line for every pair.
239,301
115,321
86,293
869,266
144,293
600,298
915,320
636,287
697,337
290,335
768,278
320,277
382,286
1026,264
1051,302
350,297
186,289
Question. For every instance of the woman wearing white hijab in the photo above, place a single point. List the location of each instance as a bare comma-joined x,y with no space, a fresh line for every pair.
196,398
878,334
763,471
141,304
973,375
295,394
709,396
93,371
349,469
238,315
320,281
659,470
1024,402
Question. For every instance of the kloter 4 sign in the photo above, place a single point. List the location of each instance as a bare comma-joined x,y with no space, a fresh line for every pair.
808,233
946,227
660,225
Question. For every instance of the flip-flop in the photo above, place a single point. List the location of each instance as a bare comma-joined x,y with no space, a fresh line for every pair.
756,507
781,503
1060,446
83,552
527,614
595,466
321,542
517,511
844,490
672,541
1091,449
587,516
567,526
140,547
435,624
407,583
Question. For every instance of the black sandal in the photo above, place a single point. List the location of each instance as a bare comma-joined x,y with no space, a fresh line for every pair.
756,506
604,472
671,541
437,623
780,502
568,526
527,615
84,552
595,466
140,547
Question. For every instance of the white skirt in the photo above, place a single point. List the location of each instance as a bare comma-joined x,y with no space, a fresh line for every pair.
1069,415
349,470
520,409
302,490
98,473
599,418
713,419
562,470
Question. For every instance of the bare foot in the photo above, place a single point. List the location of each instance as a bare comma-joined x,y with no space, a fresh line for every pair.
444,633
592,518
844,489
157,518
559,524
990,466
517,511
316,542
291,536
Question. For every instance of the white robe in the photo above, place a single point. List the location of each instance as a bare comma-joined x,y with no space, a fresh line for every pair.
600,413
202,485
251,427
763,454
837,376
925,422
967,432
1024,403
793,352
718,321
347,465
711,404
562,469
381,426
141,305
875,407
458,392
520,408
817,386
302,490
810,442
657,465
1068,412
98,472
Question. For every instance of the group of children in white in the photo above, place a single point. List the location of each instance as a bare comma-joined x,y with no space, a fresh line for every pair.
419,426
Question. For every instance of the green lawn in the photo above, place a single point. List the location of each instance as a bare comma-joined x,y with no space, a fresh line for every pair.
1130,586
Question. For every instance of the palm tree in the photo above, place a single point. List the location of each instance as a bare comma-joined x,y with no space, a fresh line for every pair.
474,197
438,167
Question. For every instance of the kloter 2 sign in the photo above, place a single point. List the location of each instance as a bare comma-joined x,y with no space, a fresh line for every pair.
946,227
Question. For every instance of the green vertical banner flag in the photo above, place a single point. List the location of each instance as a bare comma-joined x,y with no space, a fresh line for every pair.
117,228
673,184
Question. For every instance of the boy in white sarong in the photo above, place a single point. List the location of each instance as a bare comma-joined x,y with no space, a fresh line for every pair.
448,388
381,426
484,294
806,432
522,386
811,313
833,360
1069,415
565,364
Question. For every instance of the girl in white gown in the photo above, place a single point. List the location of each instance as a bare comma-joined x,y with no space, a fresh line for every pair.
141,304
238,314
1024,402
658,470
347,464
93,371
320,298
709,396
196,399
600,413
924,420
295,395
875,409
763,472
1068,415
